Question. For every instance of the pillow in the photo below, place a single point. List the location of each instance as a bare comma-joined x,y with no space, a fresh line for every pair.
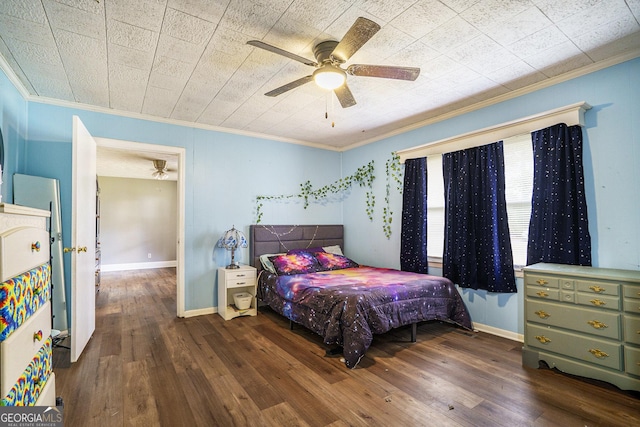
301,263
335,249
310,250
266,263
334,262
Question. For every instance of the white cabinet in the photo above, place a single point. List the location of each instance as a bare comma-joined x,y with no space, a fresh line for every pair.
26,373
232,281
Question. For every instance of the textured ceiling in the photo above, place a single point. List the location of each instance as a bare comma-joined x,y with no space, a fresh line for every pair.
187,61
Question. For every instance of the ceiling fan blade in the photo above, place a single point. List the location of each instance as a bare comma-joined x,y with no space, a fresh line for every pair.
292,85
270,48
359,33
384,71
345,96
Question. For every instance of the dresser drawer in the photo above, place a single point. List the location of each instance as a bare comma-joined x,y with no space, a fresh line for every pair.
48,393
632,329
599,301
542,281
23,296
595,322
592,350
631,305
632,360
28,387
21,249
18,349
599,288
543,293
630,291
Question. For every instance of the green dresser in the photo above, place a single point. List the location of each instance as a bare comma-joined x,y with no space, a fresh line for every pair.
583,321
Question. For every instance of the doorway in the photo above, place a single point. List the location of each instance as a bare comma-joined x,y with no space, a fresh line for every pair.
137,155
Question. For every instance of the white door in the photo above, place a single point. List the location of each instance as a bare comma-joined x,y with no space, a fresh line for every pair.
83,239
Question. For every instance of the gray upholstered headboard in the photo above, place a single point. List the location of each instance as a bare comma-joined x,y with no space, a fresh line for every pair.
274,239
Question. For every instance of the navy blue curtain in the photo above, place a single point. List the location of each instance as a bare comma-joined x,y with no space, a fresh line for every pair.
558,230
413,238
477,246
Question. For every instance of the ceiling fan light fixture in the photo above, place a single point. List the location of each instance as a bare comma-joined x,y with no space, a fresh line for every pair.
329,77
161,175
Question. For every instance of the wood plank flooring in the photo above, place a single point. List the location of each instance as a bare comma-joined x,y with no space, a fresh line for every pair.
146,367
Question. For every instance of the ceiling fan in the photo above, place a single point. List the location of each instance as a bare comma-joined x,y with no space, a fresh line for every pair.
161,169
330,55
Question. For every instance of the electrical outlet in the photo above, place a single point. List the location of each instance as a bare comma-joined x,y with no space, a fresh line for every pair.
149,255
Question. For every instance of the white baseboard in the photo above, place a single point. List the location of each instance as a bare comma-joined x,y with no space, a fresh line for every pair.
137,266
513,336
201,312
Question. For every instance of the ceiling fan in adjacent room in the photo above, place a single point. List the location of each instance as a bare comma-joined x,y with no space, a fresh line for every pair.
330,55
160,167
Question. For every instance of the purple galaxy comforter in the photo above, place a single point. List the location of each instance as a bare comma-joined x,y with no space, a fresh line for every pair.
346,307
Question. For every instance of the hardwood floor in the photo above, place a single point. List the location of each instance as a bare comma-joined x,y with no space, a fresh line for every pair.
145,367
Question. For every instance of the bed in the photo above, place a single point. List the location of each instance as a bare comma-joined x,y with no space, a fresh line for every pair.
345,303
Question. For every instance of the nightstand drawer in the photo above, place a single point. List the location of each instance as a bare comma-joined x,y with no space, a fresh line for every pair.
238,283
592,350
240,274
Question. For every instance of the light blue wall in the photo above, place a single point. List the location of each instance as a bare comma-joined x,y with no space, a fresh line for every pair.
13,113
224,173
612,176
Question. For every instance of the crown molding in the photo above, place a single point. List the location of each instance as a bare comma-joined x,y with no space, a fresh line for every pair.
597,66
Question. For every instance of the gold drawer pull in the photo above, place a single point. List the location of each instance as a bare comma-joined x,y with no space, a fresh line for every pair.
543,315
35,247
542,294
542,339
598,353
541,282
597,302
597,325
597,289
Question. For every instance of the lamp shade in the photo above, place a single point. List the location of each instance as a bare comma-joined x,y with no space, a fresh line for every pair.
231,240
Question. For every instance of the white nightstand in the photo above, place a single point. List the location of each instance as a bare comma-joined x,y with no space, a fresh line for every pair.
231,281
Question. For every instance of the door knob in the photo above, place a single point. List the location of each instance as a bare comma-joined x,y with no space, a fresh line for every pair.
69,250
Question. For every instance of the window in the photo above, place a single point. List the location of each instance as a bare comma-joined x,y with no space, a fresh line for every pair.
519,181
